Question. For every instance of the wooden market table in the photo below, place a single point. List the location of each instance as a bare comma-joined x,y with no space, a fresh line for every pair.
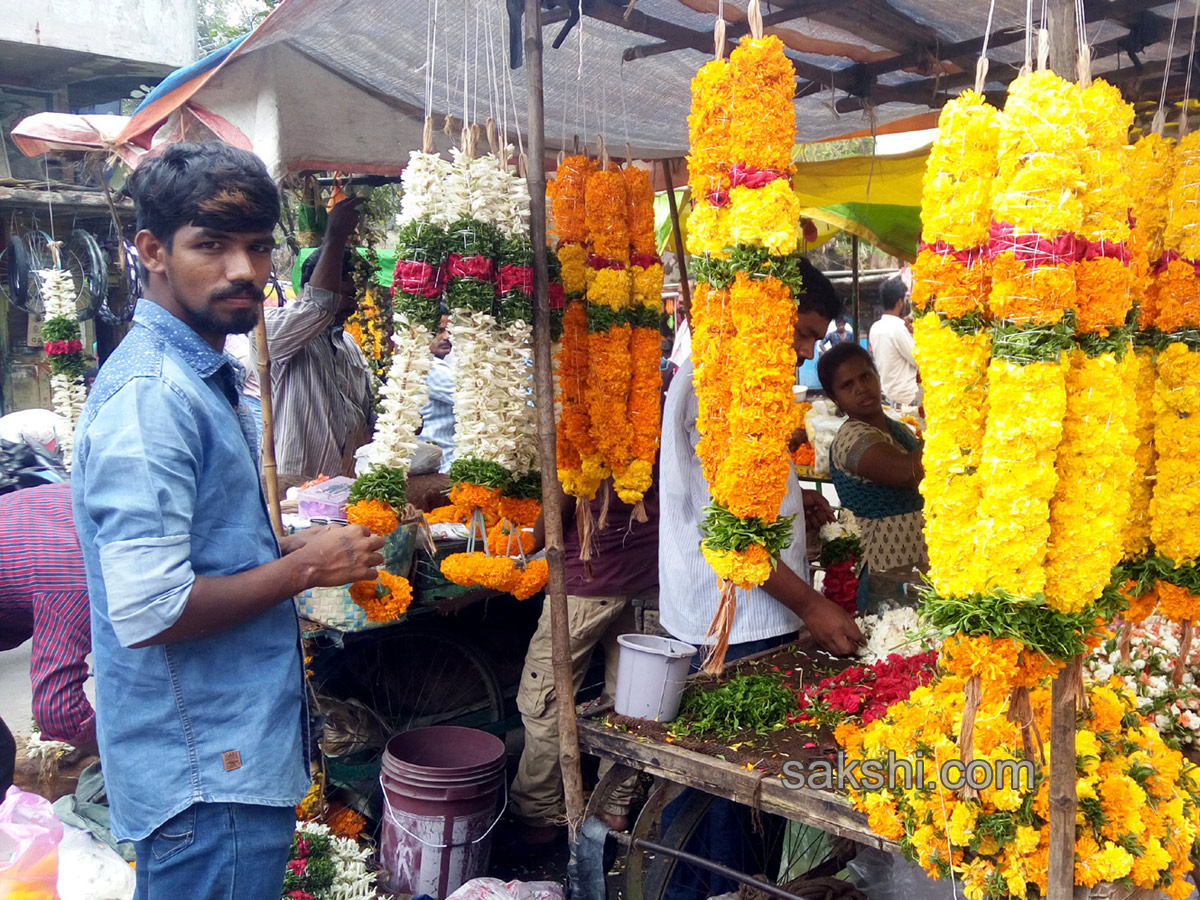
644,749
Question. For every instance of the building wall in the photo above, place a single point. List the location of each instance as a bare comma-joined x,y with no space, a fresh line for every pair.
161,31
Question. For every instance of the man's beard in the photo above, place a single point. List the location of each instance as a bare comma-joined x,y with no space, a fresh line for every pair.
239,321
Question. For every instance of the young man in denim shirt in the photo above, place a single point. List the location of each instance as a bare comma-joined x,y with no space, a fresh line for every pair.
200,710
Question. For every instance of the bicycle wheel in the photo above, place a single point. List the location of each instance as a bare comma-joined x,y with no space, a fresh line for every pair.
740,843
413,676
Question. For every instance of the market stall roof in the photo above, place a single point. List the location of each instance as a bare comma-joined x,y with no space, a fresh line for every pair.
346,84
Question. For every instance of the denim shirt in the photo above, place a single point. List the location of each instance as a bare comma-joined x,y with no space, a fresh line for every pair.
166,488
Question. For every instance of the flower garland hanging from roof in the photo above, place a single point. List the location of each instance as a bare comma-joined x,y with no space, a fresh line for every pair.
63,343
743,532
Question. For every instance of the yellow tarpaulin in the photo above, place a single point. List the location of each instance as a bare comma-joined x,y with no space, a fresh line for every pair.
877,198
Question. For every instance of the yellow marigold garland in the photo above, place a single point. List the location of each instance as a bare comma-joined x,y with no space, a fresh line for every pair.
956,194
1091,498
1145,794
1026,405
954,374
1175,506
1138,378
573,258
1151,165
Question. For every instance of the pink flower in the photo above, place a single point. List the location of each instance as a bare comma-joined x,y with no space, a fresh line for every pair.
297,866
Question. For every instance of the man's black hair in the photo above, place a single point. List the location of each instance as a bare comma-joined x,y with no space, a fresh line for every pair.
827,365
310,264
819,295
208,185
891,292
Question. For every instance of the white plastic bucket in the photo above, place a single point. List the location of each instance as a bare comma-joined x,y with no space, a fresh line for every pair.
651,674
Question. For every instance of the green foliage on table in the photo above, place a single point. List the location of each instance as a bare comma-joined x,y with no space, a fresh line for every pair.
385,483
757,703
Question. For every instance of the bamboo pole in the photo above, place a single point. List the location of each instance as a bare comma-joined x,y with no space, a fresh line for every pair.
560,636
677,233
1060,883
270,482
854,291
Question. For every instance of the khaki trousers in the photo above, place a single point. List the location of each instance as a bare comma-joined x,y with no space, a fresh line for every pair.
537,791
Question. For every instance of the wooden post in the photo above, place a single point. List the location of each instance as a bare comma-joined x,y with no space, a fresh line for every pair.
854,292
677,233
1060,885
560,636
1064,45
270,482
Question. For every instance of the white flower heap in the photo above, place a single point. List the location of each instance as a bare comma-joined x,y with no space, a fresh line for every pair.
64,348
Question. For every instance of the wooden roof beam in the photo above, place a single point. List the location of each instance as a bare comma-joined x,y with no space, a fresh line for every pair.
637,21
732,31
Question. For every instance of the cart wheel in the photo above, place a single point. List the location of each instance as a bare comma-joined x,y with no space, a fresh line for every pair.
413,676
650,876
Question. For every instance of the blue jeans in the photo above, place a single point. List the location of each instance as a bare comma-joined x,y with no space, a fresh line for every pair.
216,851
726,834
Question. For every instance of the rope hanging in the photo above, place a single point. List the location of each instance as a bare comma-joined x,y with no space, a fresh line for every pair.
1160,115
981,67
1187,82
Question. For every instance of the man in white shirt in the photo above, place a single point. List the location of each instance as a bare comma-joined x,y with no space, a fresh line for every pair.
771,614
892,346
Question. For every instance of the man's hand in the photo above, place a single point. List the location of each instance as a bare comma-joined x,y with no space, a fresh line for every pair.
817,511
340,555
343,219
832,627
290,543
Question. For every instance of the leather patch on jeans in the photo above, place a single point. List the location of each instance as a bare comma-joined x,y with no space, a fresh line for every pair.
232,760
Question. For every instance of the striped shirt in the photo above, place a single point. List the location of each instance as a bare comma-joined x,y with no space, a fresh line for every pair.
321,387
43,595
688,591
437,416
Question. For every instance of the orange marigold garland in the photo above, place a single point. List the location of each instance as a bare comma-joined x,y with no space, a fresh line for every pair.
746,461
377,516
643,408
499,573
709,126
383,600
713,337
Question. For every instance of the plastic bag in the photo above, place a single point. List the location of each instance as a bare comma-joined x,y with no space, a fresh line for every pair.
889,876
30,833
495,889
90,870
23,465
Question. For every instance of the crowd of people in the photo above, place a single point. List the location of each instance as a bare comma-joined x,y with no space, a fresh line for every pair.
159,557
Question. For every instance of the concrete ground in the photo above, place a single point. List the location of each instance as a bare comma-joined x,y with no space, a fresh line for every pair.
16,695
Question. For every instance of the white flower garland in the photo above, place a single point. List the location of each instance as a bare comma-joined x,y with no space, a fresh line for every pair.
66,393
479,360
422,183
404,393
351,880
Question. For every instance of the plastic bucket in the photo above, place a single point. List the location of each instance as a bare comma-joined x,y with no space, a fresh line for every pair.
651,674
441,787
